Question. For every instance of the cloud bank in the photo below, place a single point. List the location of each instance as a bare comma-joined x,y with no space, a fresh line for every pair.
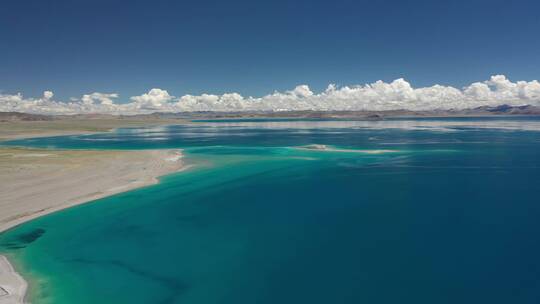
377,96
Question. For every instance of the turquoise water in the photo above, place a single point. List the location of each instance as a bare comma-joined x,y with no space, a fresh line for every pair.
449,216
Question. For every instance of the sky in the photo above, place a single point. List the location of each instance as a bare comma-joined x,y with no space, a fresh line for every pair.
119,51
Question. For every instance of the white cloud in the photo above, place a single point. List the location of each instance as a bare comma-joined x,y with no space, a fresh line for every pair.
398,94
48,95
153,100
100,98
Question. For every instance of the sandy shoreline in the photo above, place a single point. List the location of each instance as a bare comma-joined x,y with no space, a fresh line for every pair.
17,129
12,285
36,182
9,137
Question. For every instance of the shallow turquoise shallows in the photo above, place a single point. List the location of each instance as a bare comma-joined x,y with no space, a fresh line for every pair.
447,211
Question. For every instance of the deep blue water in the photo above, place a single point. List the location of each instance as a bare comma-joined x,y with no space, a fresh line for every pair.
450,215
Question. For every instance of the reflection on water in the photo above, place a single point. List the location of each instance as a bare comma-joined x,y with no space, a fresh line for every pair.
444,125
269,133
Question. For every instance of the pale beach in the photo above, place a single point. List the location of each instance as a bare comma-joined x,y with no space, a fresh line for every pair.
36,182
12,285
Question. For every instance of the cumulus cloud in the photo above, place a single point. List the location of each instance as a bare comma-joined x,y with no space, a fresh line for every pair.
100,98
153,100
377,96
48,95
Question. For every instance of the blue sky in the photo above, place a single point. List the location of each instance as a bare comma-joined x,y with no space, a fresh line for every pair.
256,47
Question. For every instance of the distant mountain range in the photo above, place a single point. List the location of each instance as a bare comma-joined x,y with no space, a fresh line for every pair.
17,116
364,115
509,110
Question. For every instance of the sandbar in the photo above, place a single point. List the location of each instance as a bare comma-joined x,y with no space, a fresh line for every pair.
35,182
